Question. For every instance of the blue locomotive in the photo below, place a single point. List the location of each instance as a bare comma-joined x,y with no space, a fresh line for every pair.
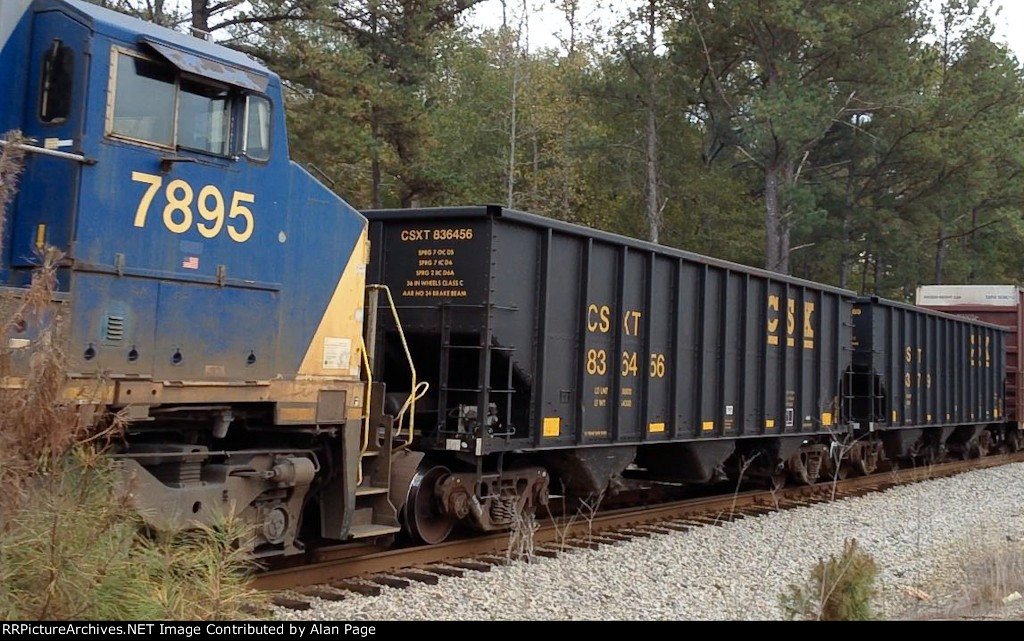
216,295
211,285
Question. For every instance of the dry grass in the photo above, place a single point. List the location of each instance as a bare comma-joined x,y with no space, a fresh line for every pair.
38,426
521,536
994,577
986,588
71,546
11,159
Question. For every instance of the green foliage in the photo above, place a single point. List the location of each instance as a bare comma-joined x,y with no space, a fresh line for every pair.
357,74
74,551
840,588
772,86
874,145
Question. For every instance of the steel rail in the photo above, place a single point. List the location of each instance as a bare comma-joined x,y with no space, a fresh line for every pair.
357,560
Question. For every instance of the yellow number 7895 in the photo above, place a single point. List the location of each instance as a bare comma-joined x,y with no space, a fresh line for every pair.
178,216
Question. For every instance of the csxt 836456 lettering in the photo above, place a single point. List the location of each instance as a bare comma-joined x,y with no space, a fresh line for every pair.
216,295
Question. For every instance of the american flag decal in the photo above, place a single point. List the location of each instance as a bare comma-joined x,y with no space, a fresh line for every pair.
192,262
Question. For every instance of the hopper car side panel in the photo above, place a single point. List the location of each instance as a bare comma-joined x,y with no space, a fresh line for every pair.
580,337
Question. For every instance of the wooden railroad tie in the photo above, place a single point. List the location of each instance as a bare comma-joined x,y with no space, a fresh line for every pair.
359,588
321,593
290,603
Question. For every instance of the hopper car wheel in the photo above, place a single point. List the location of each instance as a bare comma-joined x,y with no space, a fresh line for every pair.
802,477
845,470
982,445
424,518
867,466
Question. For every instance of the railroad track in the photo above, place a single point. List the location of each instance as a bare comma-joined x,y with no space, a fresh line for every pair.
338,572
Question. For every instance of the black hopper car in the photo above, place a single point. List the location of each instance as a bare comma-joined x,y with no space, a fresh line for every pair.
560,358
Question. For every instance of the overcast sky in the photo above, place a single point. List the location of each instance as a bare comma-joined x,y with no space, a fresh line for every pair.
546,22
1011,25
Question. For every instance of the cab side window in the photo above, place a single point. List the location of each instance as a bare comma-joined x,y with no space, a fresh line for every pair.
158,104
57,81
204,118
257,128
144,100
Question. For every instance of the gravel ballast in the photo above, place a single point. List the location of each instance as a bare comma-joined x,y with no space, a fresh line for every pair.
921,536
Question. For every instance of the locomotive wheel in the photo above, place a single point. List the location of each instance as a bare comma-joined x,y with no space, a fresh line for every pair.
423,516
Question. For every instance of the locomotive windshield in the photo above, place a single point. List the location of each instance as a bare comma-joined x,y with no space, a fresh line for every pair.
154,103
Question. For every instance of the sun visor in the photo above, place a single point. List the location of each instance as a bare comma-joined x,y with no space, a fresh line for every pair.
224,72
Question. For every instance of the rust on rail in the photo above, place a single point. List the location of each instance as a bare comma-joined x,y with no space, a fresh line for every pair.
346,562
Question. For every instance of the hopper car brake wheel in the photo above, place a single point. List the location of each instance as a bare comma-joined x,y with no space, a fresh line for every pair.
424,517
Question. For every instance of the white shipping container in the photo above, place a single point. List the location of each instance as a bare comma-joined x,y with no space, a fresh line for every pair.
987,295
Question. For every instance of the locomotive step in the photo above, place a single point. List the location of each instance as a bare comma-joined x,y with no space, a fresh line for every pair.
367,531
367,490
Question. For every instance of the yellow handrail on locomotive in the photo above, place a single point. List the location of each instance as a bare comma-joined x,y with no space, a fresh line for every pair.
417,389
364,442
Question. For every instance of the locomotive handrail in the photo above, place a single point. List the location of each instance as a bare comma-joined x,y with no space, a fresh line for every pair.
320,172
48,152
417,389
364,442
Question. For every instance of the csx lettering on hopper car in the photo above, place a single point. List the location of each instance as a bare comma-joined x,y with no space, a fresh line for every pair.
332,378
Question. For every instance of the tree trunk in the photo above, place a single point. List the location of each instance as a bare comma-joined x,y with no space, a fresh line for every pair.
511,184
566,169
846,257
569,9
940,256
972,248
651,132
878,274
776,232
844,270
200,16
864,275
375,172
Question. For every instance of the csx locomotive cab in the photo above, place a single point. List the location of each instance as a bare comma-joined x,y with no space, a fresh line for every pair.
213,290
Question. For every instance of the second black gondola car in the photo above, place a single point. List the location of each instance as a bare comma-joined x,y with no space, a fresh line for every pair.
926,381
